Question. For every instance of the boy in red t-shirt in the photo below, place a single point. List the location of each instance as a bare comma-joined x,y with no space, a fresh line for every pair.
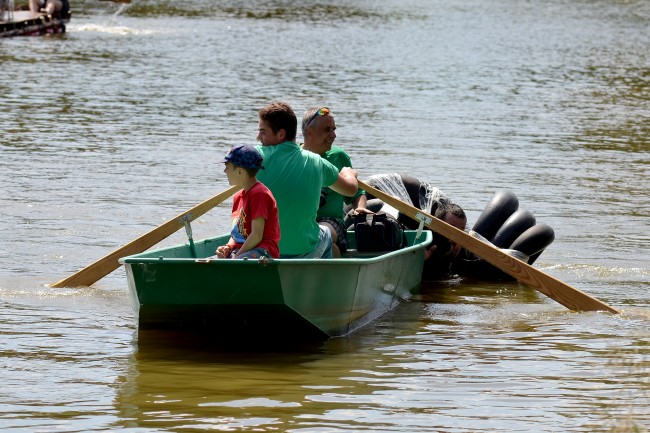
256,227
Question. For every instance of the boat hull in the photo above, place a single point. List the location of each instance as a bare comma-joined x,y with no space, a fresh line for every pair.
302,297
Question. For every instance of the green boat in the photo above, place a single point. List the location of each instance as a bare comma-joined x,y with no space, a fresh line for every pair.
178,288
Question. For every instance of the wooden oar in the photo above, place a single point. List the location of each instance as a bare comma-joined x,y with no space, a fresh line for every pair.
560,292
104,266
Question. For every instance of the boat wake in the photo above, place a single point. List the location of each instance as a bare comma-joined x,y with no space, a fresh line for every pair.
110,29
587,270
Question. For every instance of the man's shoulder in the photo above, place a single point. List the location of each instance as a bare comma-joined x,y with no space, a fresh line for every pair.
314,157
336,150
338,156
285,146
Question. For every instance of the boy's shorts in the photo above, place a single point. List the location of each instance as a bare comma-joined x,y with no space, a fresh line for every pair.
255,253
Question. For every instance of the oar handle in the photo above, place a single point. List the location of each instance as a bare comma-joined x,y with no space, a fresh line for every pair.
560,292
104,266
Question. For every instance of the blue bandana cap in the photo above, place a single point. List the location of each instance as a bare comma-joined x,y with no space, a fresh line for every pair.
244,155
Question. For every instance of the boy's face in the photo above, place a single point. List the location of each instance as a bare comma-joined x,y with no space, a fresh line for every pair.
235,174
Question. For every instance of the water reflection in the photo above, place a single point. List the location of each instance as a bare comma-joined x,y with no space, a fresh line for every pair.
618,120
529,361
187,379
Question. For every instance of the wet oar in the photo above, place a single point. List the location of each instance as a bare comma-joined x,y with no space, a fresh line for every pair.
104,266
560,292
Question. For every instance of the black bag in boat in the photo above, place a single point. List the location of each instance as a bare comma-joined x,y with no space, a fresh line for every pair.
378,232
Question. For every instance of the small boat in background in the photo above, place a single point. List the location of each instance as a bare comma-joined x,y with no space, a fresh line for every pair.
178,288
26,23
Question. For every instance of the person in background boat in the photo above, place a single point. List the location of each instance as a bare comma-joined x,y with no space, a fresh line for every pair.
50,7
295,177
442,252
256,227
440,255
319,133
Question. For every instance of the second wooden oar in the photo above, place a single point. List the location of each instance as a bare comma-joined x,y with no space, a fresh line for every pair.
560,292
104,266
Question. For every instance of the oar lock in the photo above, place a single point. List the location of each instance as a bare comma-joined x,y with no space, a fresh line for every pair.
424,219
185,220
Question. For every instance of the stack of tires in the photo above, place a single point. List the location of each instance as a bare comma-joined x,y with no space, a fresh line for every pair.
508,227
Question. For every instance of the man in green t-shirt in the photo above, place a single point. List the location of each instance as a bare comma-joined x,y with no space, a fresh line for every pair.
295,177
319,133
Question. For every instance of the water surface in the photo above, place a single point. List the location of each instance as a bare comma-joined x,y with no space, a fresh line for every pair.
112,129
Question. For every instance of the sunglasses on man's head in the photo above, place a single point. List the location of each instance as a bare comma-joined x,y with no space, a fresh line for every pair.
320,112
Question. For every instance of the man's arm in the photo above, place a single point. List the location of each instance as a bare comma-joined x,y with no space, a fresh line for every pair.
359,205
346,183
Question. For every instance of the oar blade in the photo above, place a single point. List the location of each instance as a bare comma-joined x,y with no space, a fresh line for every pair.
560,292
104,266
